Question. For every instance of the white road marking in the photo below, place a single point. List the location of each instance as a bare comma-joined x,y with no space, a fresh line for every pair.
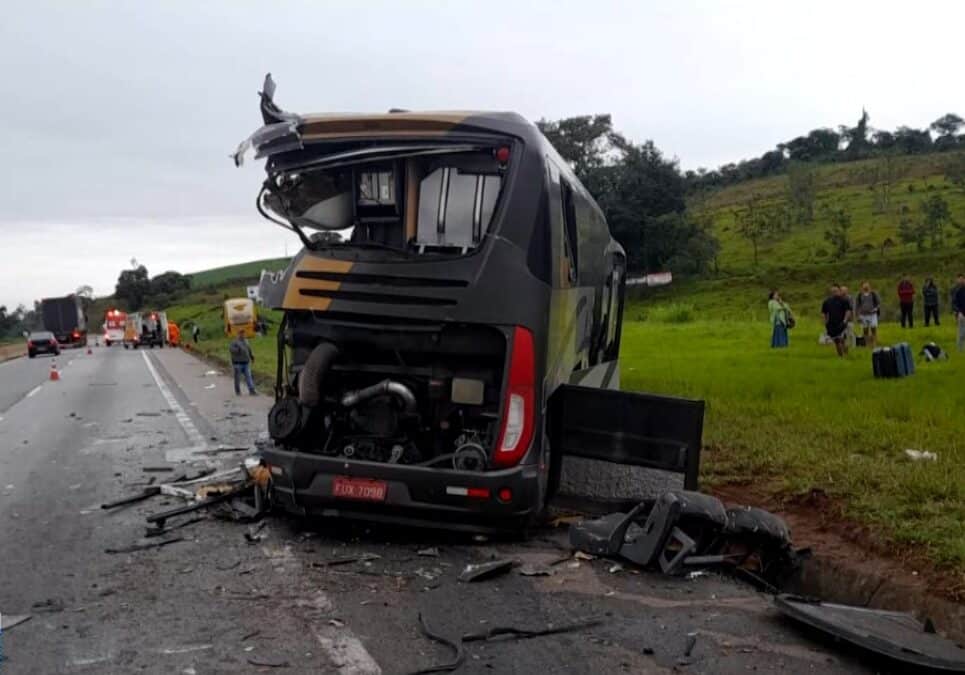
33,391
343,648
182,417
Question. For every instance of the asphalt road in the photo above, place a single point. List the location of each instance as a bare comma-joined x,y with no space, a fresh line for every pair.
215,603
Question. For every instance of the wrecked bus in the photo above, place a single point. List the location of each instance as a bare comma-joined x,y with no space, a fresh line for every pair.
420,360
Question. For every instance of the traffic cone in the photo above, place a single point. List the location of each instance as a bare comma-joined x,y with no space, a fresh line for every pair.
54,375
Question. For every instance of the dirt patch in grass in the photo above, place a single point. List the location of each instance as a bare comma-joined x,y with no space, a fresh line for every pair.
853,563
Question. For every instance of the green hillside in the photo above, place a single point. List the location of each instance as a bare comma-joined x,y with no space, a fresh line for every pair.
876,193
234,274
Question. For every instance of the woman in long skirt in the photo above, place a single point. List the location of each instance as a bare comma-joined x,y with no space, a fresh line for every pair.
779,312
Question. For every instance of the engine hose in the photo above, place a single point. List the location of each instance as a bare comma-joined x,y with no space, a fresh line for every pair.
397,389
310,379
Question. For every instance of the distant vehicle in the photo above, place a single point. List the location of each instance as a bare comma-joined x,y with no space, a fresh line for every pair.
239,314
153,330
64,317
42,342
114,323
132,330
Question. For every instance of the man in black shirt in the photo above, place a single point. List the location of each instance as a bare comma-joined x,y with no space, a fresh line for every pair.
837,313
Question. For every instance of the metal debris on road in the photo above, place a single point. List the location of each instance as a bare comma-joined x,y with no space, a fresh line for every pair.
487,570
691,643
8,621
157,469
895,635
143,547
158,531
268,664
147,493
431,552
334,562
513,633
459,654
531,570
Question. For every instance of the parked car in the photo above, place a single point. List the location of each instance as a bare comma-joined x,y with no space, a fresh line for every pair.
42,342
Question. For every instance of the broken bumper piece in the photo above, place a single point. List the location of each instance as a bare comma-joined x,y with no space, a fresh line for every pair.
305,484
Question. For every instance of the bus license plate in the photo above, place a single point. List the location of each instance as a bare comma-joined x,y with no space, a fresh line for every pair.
359,488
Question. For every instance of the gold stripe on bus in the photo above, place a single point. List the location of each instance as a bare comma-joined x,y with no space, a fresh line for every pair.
293,296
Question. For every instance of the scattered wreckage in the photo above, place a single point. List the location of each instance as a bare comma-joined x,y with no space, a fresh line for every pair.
682,531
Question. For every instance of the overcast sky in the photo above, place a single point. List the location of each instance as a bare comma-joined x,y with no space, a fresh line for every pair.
118,117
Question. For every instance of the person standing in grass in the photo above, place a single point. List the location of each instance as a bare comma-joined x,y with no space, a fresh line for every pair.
868,307
958,306
837,313
929,295
780,315
849,333
906,299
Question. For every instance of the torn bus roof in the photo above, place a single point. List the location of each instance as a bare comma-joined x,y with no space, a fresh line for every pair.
285,131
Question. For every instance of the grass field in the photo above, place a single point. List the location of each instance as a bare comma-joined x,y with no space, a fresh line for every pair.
802,418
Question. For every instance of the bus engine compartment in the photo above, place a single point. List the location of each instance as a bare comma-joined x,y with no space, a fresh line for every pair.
427,397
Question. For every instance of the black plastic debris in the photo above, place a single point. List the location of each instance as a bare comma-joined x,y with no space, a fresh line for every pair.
895,635
486,570
604,536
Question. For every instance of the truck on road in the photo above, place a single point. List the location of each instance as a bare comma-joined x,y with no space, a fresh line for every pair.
65,318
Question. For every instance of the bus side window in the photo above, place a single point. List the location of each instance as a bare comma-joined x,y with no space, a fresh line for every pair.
570,239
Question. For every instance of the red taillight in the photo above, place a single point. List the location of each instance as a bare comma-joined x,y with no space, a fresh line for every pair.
477,493
502,154
516,431
505,495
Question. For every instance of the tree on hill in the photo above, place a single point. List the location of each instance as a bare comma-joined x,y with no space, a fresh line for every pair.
582,141
912,141
133,287
801,192
856,137
947,125
882,177
758,222
819,144
838,234
955,171
935,218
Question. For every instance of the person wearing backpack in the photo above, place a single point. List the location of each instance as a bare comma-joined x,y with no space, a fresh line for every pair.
906,299
868,306
241,360
781,319
929,293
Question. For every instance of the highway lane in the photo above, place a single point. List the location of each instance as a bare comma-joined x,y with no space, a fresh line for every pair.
18,377
210,603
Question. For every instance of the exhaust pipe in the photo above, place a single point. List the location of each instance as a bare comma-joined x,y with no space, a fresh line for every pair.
310,379
397,389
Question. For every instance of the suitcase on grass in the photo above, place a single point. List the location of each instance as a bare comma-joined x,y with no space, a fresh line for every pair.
884,362
906,358
900,364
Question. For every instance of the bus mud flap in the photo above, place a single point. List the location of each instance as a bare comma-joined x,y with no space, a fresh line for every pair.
645,430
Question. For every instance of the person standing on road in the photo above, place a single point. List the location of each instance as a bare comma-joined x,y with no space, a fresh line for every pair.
849,333
906,299
241,360
780,315
868,307
929,295
958,306
837,313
